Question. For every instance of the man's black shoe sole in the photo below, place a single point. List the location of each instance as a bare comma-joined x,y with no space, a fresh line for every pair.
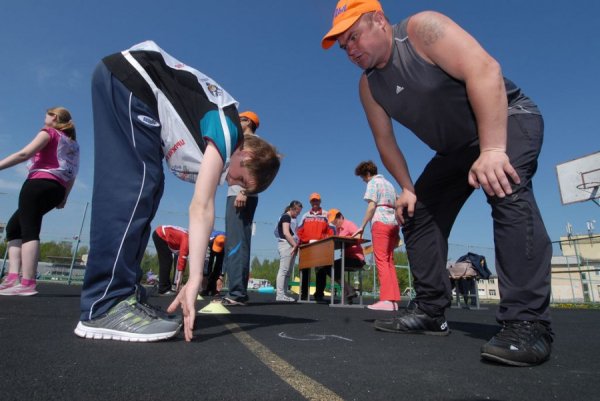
499,359
425,332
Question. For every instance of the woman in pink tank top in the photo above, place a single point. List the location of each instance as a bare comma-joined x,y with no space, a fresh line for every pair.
54,155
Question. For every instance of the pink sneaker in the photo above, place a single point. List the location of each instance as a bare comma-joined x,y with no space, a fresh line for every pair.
20,290
384,305
8,284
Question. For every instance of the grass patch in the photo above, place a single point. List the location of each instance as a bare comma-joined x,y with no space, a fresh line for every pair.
576,306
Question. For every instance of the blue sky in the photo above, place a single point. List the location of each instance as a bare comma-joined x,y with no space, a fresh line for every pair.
267,54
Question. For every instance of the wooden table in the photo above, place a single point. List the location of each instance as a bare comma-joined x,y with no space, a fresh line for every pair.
322,253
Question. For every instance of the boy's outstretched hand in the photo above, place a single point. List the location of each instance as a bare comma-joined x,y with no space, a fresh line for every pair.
187,300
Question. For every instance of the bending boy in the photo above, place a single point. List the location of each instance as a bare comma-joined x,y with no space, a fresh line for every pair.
148,105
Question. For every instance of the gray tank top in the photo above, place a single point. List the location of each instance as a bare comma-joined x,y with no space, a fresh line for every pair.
428,101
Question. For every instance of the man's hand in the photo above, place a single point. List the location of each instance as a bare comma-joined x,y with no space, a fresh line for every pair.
187,300
240,200
406,201
490,171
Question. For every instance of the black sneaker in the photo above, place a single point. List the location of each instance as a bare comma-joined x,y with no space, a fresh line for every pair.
320,299
414,321
519,343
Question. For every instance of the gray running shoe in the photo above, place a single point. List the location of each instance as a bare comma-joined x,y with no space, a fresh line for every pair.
130,320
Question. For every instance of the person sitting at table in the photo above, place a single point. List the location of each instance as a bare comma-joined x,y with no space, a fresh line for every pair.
313,226
354,258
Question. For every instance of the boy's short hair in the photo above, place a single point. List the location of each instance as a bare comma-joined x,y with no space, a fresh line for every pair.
263,164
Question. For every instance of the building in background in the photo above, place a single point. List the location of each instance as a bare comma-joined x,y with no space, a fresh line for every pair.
488,289
576,274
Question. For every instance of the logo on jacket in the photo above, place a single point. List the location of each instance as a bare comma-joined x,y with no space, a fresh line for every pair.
399,89
214,89
150,122
180,143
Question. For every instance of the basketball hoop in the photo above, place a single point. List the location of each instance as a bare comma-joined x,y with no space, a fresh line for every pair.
579,179
588,185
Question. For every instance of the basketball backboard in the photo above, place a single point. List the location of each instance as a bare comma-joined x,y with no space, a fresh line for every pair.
579,179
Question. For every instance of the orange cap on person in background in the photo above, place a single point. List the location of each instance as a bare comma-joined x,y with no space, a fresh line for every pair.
218,243
346,13
314,195
332,214
252,116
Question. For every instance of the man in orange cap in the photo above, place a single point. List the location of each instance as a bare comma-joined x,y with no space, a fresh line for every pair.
354,257
313,226
430,75
239,214
251,118
214,264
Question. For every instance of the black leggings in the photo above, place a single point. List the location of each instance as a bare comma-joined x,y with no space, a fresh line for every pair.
37,197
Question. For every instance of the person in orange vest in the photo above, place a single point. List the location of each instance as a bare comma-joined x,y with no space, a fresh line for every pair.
354,257
313,226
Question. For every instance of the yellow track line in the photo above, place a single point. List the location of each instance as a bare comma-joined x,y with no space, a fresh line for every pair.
310,389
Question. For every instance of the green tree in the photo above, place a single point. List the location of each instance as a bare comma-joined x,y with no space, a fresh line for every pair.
52,251
267,269
49,251
82,250
400,259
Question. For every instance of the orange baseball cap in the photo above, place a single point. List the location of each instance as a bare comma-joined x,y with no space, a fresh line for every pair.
346,13
314,195
331,214
252,116
218,243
